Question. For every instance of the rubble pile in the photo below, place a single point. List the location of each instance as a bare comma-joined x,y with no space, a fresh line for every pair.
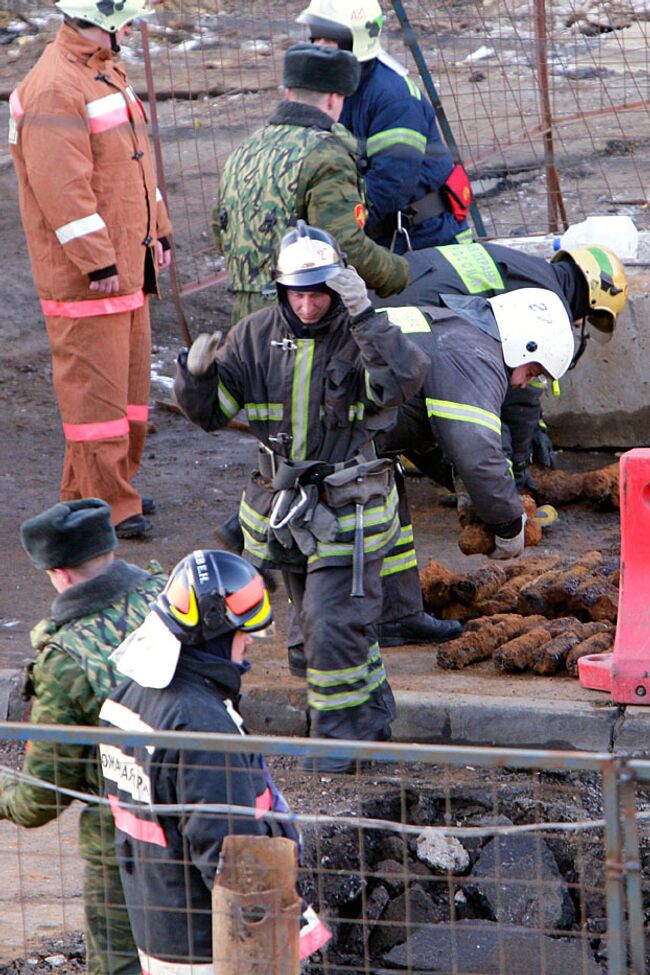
396,901
535,614
476,538
558,487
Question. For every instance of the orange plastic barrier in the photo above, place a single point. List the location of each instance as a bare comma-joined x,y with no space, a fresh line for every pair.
625,673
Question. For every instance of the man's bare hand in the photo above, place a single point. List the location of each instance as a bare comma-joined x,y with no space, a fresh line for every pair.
164,257
106,286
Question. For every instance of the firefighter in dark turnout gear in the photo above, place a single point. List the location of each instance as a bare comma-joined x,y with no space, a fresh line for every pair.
319,375
590,281
408,169
185,663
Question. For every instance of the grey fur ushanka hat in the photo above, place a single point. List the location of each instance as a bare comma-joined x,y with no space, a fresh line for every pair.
69,533
316,67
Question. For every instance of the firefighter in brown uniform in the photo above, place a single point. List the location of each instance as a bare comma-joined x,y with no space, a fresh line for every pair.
97,232
318,374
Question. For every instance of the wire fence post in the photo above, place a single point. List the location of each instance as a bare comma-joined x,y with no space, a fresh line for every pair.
555,203
434,98
632,863
614,872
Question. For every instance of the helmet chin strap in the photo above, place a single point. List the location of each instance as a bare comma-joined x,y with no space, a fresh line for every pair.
115,47
582,344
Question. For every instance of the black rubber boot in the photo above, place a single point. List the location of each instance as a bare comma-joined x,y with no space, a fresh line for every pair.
148,505
137,526
297,661
418,628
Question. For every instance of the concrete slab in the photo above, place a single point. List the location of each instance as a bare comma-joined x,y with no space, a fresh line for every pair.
604,401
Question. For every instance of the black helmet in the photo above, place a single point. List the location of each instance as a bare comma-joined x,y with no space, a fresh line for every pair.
307,256
210,593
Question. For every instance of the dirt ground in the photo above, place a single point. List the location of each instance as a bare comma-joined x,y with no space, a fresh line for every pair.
196,481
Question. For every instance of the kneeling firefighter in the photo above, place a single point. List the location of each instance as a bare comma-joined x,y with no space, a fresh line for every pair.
319,375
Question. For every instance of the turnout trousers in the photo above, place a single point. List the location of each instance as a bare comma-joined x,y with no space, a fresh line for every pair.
347,689
101,373
400,578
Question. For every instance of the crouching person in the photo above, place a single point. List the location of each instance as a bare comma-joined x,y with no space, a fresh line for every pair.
185,665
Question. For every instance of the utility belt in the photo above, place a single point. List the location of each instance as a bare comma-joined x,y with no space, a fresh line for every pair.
454,196
307,495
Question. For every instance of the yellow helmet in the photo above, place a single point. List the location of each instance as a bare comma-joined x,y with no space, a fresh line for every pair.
606,284
109,15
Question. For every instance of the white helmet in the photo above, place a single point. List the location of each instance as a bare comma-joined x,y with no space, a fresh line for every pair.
534,326
355,26
307,256
109,15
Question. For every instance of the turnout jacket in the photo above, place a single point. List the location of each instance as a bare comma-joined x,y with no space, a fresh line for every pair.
301,165
320,397
87,186
168,858
485,270
71,677
458,408
402,154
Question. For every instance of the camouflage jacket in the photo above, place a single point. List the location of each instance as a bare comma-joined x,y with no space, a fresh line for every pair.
301,165
72,675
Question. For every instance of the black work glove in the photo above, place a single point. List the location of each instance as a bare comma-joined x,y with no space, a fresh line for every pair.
523,477
542,447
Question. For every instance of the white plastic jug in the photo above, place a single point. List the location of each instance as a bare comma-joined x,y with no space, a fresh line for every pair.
618,233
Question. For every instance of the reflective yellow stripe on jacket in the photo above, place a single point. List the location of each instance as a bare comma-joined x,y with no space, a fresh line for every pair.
464,413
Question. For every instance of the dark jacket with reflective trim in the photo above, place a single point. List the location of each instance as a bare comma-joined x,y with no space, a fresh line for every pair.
400,144
484,270
315,398
167,887
459,407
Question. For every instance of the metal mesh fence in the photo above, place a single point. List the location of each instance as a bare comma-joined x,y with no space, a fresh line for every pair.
425,859
581,121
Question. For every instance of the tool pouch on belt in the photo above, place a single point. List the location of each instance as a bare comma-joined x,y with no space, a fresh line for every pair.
458,192
359,484
298,516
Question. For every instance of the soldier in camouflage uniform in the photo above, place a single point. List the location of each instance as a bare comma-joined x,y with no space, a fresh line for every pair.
100,601
302,164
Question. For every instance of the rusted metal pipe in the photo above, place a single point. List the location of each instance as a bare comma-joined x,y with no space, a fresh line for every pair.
555,203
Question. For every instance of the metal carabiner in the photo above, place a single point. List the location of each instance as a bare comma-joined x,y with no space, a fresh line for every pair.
400,229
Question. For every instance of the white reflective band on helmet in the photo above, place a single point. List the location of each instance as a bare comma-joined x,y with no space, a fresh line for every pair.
79,228
534,326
